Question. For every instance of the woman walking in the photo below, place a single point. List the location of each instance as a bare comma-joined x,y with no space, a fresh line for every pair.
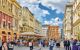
31,45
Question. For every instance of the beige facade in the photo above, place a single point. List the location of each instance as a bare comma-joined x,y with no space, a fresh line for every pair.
38,27
68,21
28,20
16,10
76,19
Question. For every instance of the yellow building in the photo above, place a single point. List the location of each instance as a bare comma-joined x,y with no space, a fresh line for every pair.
68,21
76,19
10,14
16,10
28,22
6,20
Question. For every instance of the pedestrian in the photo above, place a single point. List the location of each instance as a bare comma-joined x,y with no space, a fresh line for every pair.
31,44
67,44
40,45
0,45
58,44
51,44
10,46
78,44
4,46
71,43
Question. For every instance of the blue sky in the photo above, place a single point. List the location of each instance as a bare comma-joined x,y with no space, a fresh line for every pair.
46,11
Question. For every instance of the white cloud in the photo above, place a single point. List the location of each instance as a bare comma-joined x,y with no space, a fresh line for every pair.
31,1
46,22
58,4
38,13
45,12
54,21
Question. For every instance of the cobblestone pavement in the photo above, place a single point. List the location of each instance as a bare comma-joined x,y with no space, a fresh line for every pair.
36,48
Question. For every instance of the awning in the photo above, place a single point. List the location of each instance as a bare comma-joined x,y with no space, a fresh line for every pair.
27,33
31,34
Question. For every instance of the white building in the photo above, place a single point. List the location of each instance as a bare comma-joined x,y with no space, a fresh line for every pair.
45,31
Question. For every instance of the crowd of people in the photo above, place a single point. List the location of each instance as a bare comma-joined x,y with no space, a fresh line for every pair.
72,44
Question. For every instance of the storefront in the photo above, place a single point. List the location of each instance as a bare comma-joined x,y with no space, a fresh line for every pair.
6,35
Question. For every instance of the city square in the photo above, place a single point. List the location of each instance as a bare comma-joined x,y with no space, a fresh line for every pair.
39,25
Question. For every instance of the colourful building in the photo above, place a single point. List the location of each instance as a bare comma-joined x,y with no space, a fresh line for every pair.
53,32
9,19
6,20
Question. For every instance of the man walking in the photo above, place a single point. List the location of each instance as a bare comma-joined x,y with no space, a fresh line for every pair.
67,44
51,44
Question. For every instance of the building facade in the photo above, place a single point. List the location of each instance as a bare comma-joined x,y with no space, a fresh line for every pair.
45,31
28,24
28,21
16,11
10,15
76,19
38,29
68,21
6,20
53,32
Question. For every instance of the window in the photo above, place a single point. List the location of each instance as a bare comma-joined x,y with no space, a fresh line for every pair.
4,24
3,32
9,33
14,33
9,25
3,3
0,2
31,19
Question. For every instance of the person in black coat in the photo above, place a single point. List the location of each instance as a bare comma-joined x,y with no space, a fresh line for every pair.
67,44
58,44
0,47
